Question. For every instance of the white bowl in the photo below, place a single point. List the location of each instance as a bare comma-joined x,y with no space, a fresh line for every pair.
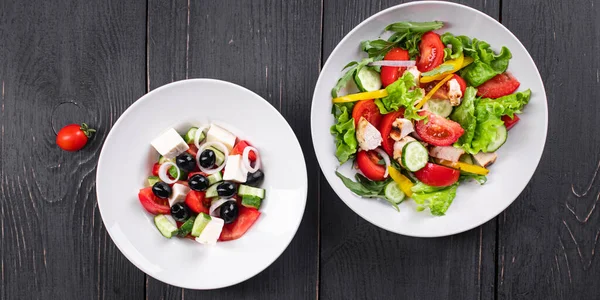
517,159
127,158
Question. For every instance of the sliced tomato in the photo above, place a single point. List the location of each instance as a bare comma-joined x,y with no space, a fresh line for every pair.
246,218
390,74
501,85
193,150
461,82
438,131
509,123
368,110
155,168
197,202
431,51
239,149
194,173
436,175
367,163
385,127
153,204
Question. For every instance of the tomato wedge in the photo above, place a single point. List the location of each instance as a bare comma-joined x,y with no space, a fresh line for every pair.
501,85
367,163
246,218
438,131
431,49
385,127
193,150
155,168
368,110
239,149
436,175
390,74
153,204
196,201
509,123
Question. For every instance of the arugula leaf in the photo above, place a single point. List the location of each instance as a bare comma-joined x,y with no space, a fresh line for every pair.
353,67
401,95
420,27
407,36
366,188
464,115
344,131
438,200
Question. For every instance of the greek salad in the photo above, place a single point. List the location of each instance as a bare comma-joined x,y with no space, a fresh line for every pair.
429,112
205,185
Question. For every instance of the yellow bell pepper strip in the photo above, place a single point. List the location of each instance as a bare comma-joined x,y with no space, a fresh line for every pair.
473,169
403,182
433,90
361,96
452,65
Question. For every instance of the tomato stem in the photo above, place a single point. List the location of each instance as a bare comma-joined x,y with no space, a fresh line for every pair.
87,130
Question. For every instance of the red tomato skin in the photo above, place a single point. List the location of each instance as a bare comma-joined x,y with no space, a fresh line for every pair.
431,49
153,204
390,74
436,175
461,82
71,138
510,123
385,127
155,168
239,149
438,131
368,110
370,169
193,150
246,218
501,85
196,201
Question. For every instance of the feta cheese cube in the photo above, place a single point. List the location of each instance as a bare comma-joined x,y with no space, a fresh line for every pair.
178,194
170,144
211,232
217,133
235,169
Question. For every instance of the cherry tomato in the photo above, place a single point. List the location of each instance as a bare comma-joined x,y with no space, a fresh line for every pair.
239,149
196,201
461,82
436,175
385,127
367,163
155,168
431,51
501,85
509,123
368,110
438,131
153,204
390,74
73,137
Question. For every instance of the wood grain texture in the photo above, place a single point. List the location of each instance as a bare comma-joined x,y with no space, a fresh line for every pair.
548,237
272,48
89,57
359,260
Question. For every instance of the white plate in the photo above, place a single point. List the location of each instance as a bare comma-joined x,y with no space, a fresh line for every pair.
127,158
517,159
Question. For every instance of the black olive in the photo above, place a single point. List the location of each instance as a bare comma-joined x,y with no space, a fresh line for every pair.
161,190
180,212
186,162
228,211
226,189
207,158
255,179
198,183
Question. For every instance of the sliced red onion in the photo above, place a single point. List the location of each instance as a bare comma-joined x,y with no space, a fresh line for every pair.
198,133
386,159
246,159
164,168
217,145
216,204
394,63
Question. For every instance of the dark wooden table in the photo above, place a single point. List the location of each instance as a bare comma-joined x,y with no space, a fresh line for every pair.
72,61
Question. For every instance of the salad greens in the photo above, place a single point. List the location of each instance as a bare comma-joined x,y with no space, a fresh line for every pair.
406,35
366,188
464,114
401,93
344,131
354,67
437,199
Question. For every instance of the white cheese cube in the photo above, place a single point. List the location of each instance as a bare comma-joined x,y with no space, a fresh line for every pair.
211,232
217,133
178,194
235,169
170,144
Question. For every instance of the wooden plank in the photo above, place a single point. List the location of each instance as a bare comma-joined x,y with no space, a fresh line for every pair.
272,48
359,260
548,237
62,62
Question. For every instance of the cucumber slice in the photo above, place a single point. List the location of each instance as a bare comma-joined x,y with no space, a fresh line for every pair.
173,173
246,190
166,225
440,107
152,180
251,201
186,227
393,192
414,156
201,220
211,192
219,156
214,178
466,158
189,136
367,80
501,135
162,160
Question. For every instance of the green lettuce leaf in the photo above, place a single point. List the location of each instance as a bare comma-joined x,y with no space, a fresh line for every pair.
400,95
464,115
344,131
457,46
437,199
